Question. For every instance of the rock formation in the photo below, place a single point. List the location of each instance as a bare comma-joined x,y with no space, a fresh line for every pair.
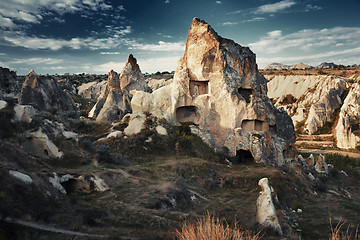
265,209
321,166
24,113
91,90
114,101
217,86
44,94
348,124
9,86
305,100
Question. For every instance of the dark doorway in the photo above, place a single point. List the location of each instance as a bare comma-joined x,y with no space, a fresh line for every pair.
246,93
187,114
242,156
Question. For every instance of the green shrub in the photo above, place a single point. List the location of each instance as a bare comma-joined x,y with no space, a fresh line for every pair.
346,163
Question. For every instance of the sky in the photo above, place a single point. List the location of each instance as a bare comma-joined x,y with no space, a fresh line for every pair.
96,36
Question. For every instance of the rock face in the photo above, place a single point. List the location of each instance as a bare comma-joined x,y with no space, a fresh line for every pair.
114,101
321,165
39,144
24,113
348,124
44,94
217,86
265,209
9,86
308,98
91,90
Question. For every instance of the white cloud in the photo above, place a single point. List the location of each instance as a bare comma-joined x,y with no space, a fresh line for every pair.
161,64
307,40
110,53
229,23
48,61
3,54
167,1
43,43
274,7
7,22
256,19
107,67
346,57
218,2
32,11
310,7
160,47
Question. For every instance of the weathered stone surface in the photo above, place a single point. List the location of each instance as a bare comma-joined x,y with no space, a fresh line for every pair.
24,113
217,86
136,124
78,183
321,94
39,144
91,90
44,94
349,113
3,104
21,176
321,166
115,134
265,209
131,77
9,86
161,130
114,101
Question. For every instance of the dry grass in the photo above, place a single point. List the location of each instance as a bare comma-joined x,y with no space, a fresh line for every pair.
339,233
208,227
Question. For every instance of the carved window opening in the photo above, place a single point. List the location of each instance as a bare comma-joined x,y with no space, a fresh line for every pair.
246,93
199,87
257,125
187,114
273,129
243,156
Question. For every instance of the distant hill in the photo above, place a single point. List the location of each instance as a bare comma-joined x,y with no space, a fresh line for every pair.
326,65
300,66
275,66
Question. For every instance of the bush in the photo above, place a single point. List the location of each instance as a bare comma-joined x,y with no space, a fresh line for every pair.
211,228
104,155
346,163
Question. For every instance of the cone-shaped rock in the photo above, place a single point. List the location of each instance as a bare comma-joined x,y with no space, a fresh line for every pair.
114,101
217,87
44,94
131,77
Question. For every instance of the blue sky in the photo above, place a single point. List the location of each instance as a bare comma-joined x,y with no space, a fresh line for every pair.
95,36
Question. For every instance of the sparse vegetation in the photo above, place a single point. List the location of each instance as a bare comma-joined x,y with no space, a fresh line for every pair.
209,227
348,164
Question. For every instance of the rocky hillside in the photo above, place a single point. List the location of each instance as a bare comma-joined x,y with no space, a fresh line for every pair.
319,103
146,162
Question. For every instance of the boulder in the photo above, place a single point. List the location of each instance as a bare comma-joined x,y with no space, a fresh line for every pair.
24,113
136,124
78,183
115,134
39,144
265,209
321,166
3,104
161,130
217,86
346,137
21,176
44,94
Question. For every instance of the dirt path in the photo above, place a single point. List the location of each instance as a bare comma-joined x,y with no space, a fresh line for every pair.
51,229
323,151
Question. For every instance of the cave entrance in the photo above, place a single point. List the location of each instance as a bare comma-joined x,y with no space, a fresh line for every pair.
246,93
243,156
199,87
187,114
74,185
